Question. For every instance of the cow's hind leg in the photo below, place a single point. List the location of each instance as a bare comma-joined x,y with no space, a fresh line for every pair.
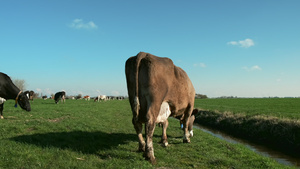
139,128
187,115
191,123
164,139
149,151
1,111
63,99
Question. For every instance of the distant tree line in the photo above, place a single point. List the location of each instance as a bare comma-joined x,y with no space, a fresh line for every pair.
200,96
227,97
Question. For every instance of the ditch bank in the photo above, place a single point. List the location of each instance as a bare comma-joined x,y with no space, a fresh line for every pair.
276,133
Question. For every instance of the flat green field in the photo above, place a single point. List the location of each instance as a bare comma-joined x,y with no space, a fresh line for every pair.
84,134
277,107
269,121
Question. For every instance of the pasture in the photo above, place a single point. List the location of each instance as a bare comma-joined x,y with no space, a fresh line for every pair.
270,121
84,134
276,107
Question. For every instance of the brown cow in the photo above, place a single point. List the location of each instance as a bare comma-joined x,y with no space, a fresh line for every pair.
157,89
87,97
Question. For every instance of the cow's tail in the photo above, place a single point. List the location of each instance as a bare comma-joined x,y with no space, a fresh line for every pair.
139,57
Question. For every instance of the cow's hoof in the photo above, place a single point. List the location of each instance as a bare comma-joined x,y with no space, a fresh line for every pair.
191,133
141,148
152,160
186,141
165,144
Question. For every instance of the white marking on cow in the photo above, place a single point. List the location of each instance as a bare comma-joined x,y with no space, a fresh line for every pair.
164,112
191,133
2,100
136,101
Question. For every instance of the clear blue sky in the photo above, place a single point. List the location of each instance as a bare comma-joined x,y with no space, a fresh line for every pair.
228,48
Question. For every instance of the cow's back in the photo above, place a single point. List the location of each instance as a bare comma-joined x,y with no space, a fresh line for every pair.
4,80
182,93
167,83
6,86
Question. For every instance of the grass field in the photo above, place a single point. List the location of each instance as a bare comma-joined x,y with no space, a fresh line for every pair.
277,107
271,121
82,134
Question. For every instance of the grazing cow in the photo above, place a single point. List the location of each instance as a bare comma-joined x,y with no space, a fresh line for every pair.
60,95
101,97
29,94
44,97
87,97
120,98
9,91
157,89
78,97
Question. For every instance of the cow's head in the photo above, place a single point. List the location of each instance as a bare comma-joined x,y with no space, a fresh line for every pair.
24,102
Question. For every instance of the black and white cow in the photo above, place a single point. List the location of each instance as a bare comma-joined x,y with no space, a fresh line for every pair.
29,94
10,91
60,95
44,97
101,97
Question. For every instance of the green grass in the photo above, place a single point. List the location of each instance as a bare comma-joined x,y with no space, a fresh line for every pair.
270,121
277,107
82,134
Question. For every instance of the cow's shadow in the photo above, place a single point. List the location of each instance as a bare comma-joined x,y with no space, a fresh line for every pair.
80,141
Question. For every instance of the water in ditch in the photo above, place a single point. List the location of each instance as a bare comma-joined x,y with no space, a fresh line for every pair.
278,156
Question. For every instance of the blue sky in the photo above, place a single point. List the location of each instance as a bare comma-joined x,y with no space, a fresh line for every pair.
228,48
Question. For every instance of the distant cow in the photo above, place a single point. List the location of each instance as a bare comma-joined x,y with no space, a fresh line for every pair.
157,89
9,91
120,98
103,97
29,94
60,96
87,97
100,97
